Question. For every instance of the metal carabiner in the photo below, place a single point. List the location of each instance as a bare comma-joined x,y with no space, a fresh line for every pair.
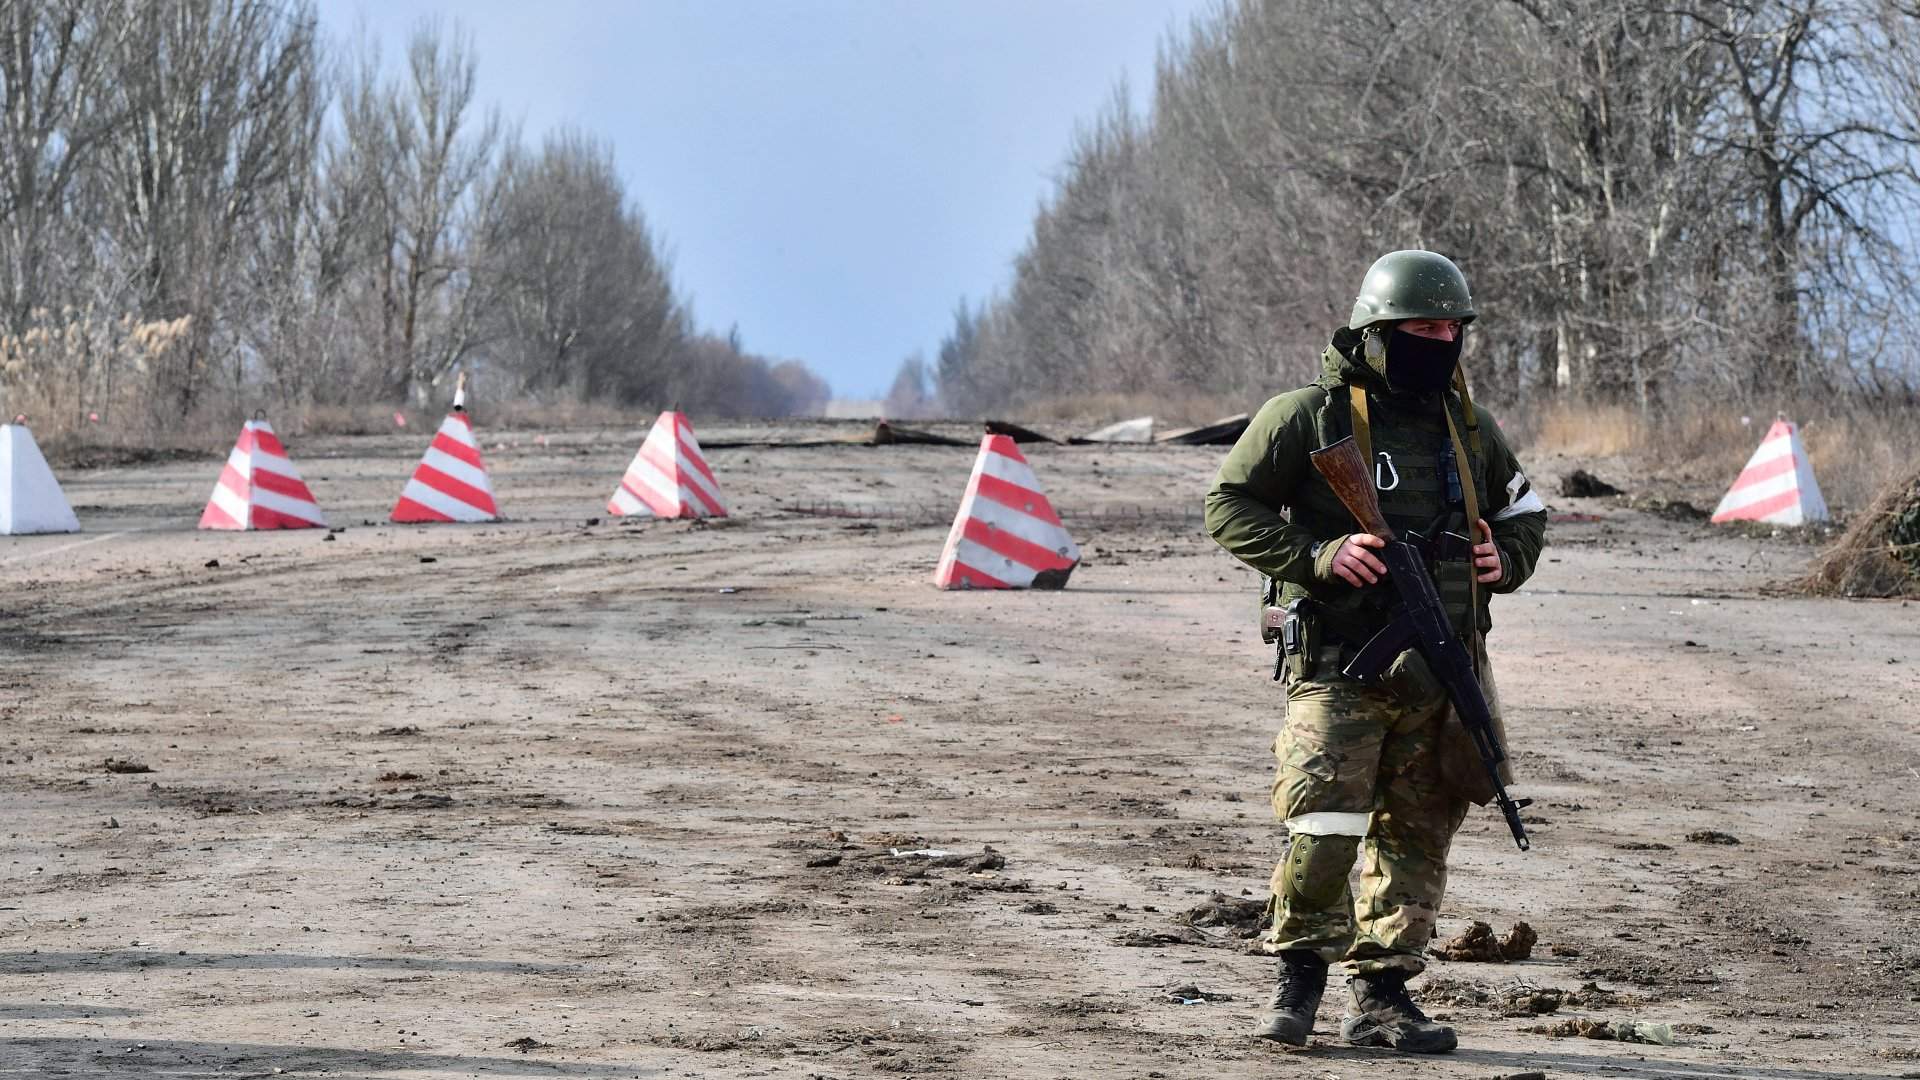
1378,481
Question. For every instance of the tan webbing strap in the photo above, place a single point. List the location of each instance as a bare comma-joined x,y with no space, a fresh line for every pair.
1362,427
1473,419
1464,466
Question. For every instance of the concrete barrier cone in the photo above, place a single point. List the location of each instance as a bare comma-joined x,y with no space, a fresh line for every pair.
1006,535
451,482
30,498
669,477
259,488
1777,486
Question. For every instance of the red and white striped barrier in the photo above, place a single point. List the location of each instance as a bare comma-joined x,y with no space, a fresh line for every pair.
1006,535
450,483
669,477
259,488
1777,486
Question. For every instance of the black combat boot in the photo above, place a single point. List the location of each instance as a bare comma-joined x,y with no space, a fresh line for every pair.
1382,1014
1289,1016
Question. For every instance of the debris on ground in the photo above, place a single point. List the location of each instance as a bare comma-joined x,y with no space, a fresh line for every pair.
1522,999
1713,836
823,860
886,434
1017,432
1671,509
1193,995
1581,484
1243,917
1635,1031
987,859
1137,430
1879,554
1222,432
1517,998
1478,945
1153,939
124,765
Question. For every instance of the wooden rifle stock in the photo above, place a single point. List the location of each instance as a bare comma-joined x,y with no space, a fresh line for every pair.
1351,477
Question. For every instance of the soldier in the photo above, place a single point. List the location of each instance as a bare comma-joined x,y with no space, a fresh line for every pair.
1383,766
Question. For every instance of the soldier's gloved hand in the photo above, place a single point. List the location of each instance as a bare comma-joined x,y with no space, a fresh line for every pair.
1355,564
1488,565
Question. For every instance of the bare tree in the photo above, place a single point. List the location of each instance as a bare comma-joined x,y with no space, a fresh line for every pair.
214,93
1652,195
910,397
57,58
441,200
583,300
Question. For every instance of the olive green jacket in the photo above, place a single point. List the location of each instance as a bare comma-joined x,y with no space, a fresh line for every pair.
1271,509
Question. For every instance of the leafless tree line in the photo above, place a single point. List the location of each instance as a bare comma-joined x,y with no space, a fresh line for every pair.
206,206
1654,200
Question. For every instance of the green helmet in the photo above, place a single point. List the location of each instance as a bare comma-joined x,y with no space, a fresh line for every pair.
1412,285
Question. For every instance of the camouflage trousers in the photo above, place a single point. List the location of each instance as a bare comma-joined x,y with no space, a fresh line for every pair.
1358,774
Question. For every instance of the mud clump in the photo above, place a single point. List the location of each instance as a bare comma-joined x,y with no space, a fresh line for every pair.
1713,836
1609,1030
987,859
1241,917
1581,484
1478,945
1672,509
1516,999
1193,995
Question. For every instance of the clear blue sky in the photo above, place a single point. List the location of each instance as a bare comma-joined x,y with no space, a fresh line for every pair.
830,175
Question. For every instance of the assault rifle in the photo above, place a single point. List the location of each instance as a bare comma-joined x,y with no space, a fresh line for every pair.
1419,619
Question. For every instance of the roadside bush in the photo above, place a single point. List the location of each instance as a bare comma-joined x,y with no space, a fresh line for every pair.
1880,554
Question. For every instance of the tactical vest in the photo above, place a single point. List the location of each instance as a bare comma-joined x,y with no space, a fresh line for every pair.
1413,453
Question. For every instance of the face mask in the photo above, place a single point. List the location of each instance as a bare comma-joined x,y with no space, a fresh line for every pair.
1420,365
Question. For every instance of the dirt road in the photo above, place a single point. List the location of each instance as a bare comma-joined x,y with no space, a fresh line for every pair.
558,799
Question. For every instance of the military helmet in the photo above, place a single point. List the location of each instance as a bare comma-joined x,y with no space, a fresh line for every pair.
1412,285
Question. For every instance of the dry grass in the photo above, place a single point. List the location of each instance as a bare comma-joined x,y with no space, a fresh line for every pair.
1853,448
1879,555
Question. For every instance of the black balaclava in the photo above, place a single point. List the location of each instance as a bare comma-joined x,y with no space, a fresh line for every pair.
1420,365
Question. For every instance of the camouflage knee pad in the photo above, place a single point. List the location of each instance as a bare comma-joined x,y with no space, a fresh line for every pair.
1316,869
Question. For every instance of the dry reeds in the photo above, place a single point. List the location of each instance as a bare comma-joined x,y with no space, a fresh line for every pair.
1853,447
